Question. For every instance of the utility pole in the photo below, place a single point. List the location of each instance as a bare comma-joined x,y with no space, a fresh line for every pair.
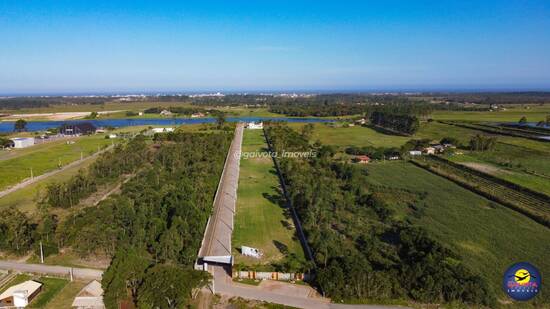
41,253
71,273
32,175
81,156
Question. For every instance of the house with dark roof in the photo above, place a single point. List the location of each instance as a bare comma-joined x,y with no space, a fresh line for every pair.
84,128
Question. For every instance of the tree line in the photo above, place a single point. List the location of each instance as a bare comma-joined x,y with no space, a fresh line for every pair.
124,159
362,251
402,123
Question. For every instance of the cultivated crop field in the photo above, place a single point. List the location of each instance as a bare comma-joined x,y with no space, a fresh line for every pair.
489,236
261,220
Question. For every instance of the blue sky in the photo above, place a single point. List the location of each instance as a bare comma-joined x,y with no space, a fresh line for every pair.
91,46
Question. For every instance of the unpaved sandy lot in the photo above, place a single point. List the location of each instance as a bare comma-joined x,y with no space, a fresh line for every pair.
54,116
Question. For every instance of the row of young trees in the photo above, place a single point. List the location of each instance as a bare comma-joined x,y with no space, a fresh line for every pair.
124,159
361,250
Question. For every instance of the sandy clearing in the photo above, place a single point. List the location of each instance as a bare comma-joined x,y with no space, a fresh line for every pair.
55,116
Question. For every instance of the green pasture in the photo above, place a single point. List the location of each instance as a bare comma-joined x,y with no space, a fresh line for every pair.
513,113
489,236
352,136
65,297
46,157
261,221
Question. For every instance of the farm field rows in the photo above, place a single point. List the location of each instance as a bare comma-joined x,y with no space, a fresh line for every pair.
535,206
489,236
261,221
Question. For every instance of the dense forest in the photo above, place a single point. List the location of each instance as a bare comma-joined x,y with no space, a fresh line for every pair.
152,229
493,97
401,123
360,250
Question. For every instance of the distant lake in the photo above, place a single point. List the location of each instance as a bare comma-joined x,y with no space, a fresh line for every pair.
7,126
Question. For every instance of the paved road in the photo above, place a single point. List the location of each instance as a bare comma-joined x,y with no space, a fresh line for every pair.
225,286
78,273
217,237
29,181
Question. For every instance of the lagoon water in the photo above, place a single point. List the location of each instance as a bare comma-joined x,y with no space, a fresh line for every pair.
7,126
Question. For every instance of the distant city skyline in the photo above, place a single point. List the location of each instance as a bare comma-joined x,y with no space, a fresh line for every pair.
80,47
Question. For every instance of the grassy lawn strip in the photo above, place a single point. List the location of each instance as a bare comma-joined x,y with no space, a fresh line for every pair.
260,221
247,281
489,236
65,297
51,287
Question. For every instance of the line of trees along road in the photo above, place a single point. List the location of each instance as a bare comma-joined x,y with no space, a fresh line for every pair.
361,251
152,229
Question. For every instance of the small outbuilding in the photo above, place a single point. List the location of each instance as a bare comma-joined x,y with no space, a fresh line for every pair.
429,150
20,295
249,251
362,159
415,153
162,130
255,125
22,142
90,297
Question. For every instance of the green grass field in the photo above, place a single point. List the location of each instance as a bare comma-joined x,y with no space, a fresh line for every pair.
260,221
26,198
65,297
46,157
489,236
51,287
513,113
352,136
515,159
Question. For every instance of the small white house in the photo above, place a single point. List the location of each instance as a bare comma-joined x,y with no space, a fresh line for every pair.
22,142
165,113
415,153
20,295
429,150
162,130
112,136
249,251
90,297
255,125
